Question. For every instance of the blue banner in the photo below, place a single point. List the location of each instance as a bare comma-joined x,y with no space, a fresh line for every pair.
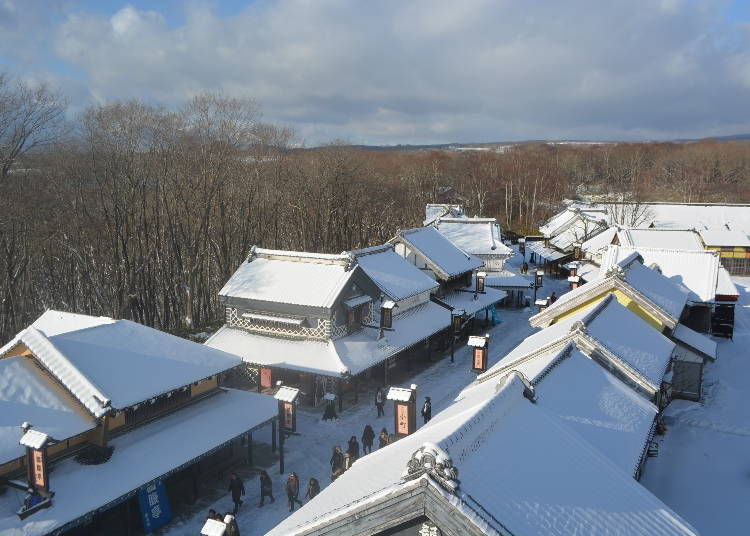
155,509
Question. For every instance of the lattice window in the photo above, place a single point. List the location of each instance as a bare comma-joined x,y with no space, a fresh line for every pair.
320,331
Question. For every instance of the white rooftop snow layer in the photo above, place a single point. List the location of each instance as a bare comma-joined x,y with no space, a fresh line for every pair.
725,238
543,251
516,460
696,270
602,409
28,395
34,439
434,211
140,456
466,302
724,284
506,279
638,346
286,394
600,241
660,238
478,236
428,242
580,231
350,354
296,282
119,363
695,340
394,275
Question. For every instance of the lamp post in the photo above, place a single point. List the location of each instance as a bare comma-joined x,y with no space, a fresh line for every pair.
287,397
538,282
522,248
455,329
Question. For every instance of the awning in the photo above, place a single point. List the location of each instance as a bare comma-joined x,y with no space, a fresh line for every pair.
356,301
150,452
546,253
275,319
466,301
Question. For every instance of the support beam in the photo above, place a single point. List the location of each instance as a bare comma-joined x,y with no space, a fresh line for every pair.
273,436
250,449
340,392
356,389
282,435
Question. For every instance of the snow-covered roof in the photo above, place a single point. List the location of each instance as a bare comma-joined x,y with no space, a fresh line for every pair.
725,238
631,277
140,456
310,279
724,284
578,232
505,449
600,241
400,394
638,349
695,340
478,236
434,211
286,394
659,238
394,275
466,301
507,279
118,363
351,354
549,254
34,439
696,270
602,409
448,259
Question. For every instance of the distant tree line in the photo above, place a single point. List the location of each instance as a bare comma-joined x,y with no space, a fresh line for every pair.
138,212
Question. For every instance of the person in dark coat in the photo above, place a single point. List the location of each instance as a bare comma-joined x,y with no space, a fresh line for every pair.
552,299
237,489
368,436
353,449
313,488
231,522
383,439
337,463
292,491
380,401
266,488
427,410
524,268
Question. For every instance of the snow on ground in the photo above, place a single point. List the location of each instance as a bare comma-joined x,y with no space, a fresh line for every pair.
309,453
703,467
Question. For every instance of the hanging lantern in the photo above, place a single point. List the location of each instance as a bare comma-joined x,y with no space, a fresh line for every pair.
539,279
522,246
481,276
386,314
457,322
404,409
480,353
577,252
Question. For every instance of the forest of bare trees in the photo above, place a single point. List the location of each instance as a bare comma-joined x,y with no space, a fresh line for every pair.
139,212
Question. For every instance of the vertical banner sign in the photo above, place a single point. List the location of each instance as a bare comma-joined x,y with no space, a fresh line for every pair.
289,421
39,469
402,419
265,377
478,358
155,509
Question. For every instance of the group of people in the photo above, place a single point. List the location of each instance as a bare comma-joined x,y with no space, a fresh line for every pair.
292,490
227,520
342,460
237,489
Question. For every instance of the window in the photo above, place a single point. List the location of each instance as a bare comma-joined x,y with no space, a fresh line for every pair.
363,314
350,317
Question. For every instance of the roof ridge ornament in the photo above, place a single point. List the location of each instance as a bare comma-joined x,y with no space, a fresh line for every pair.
429,459
615,271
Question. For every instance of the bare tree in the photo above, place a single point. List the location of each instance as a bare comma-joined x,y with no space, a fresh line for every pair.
31,116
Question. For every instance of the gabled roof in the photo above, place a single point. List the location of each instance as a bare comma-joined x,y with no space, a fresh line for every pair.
599,242
697,341
654,292
478,236
659,238
446,259
633,347
581,223
696,270
27,394
725,237
117,363
394,275
579,231
594,403
433,211
292,277
504,448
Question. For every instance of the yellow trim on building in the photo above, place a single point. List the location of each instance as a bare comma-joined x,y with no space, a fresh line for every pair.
624,300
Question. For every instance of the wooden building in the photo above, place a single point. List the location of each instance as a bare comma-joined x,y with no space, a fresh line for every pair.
125,410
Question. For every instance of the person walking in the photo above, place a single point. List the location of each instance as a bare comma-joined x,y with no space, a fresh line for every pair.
292,491
383,439
313,488
266,488
427,410
337,463
380,401
231,522
552,299
368,436
353,449
238,490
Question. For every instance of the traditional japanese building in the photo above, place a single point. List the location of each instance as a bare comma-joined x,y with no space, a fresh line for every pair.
481,237
733,247
118,414
485,466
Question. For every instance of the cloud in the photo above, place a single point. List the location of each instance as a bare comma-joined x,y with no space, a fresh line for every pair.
429,71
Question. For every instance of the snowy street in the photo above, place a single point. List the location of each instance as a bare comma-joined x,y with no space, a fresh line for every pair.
703,467
308,454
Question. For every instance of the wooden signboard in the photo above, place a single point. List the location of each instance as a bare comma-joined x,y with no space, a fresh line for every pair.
288,416
37,465
479,360
265,377
386,317
406,418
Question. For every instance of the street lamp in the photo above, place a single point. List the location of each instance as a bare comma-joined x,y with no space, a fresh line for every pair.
538,282
287,398
522,248
455,329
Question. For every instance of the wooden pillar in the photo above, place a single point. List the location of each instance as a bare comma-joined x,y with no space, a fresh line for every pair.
258,379
356,389
127,516
273,436
340,392
385,372
282,435
429,349
250,449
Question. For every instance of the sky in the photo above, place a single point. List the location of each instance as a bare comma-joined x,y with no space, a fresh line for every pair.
393,72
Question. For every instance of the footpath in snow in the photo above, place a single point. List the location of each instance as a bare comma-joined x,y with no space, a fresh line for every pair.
703,467
308,454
